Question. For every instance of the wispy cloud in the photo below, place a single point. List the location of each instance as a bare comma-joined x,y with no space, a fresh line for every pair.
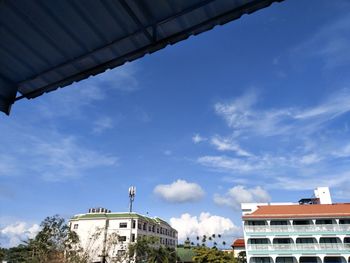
198,138
282,145
179,191
48,153
330,43
242,115
227,144
101,124
64,158
72,101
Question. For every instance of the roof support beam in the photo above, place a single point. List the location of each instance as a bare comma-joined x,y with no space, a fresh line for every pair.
137,21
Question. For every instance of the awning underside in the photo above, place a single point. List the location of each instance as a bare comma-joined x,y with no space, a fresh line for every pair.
47,44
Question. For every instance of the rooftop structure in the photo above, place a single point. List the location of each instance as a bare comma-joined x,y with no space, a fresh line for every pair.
238,247
103,233
313,232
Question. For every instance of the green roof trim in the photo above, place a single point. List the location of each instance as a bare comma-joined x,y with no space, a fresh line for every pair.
156,220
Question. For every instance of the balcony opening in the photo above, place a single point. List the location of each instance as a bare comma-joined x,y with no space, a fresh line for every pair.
305,243
286,260
330,240
261,260
306,240
325,222
333,243
302,222
258,241
279,223
256,223
334,260
283,241
347,240
344,221
310,260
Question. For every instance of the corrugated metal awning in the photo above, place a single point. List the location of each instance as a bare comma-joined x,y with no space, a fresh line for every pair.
47,44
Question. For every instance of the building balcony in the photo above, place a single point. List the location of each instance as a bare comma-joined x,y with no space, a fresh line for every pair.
302,248
297,228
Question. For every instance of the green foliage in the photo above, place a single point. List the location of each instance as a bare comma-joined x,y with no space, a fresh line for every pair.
148,249
204,254
19,254
2,254
242,257
54,243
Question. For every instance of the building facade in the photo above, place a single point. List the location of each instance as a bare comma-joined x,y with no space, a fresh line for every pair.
106,234
312,231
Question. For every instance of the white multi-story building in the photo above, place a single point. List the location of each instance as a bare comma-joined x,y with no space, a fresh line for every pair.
103,233
311,231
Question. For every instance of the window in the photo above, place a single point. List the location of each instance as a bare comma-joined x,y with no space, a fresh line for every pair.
123,225
149,228
157,230
133,238
122,238
144,226
121,252
139,226
133,223
75,226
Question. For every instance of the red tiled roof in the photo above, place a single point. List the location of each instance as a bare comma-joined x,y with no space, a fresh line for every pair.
238,243
300,211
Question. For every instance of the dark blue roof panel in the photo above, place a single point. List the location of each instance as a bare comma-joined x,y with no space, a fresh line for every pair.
47,44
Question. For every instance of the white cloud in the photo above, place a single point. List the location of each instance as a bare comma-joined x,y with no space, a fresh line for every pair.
179,191
225,144
13,234
197,138
240,194
206,224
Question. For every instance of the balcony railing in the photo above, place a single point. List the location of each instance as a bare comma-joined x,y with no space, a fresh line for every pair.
299,247
299,228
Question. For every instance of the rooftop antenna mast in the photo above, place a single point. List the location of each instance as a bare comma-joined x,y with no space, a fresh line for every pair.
132,193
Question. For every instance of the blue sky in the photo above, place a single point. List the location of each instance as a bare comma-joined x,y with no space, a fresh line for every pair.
255,110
